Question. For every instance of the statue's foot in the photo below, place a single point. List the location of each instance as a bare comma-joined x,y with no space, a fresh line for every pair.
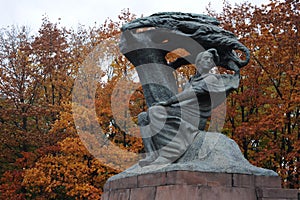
148,160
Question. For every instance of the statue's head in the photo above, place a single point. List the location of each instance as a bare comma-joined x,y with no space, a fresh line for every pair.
206,60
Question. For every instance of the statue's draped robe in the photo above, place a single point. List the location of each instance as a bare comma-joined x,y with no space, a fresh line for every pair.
173,128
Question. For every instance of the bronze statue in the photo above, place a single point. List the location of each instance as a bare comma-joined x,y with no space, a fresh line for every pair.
173,128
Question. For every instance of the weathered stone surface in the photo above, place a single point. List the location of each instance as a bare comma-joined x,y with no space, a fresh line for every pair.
243,180
214,153
144,193
152,179
225,193
105,196
123,194
267,182
198,178
189,185
185,177
277,193
177,192
128,182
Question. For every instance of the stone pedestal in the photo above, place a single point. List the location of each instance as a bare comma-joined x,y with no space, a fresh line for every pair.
192,185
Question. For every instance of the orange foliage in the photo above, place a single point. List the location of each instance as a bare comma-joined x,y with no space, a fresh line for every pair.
72,172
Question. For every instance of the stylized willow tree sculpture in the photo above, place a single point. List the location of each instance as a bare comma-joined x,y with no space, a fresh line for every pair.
148,40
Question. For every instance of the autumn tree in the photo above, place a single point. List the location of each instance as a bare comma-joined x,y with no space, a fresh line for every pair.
35,80
72,174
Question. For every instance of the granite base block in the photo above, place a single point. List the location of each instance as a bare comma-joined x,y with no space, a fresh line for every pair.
190,185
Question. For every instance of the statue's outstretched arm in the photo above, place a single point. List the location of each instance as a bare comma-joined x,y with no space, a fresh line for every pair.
186,94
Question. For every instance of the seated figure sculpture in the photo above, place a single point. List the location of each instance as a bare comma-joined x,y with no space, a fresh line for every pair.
174,123
173,126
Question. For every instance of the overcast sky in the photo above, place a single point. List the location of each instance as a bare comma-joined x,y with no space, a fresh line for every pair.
87,12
